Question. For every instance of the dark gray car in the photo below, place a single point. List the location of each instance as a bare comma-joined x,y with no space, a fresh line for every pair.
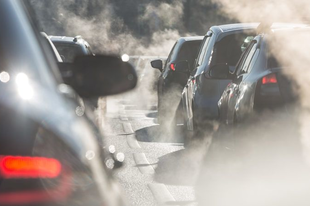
70,47
174,75
222,45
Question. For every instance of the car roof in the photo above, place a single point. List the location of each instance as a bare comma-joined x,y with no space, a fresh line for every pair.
247,26
287,29
191,38
234,27
67,39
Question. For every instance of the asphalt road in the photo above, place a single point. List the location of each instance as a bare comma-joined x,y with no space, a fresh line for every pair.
158,170
152,172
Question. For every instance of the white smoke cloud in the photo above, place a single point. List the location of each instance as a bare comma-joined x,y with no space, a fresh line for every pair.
107,32
164,14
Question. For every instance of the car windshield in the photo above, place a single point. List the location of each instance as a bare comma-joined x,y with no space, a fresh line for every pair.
87,132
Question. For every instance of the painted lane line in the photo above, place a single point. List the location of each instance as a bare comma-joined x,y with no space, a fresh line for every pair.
143,164
161,193
123,118
121,107
122,113
127,128
131,139
132,142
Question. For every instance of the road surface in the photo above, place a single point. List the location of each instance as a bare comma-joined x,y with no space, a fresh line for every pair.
158,169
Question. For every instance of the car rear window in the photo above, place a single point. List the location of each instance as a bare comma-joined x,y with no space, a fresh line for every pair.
229,49
189,51
273,62
68,51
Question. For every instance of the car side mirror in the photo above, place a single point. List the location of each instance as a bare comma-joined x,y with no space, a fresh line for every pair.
219,71
157,64
182,66
100,75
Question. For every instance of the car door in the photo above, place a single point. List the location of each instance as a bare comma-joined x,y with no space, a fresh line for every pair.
236,95
189,88
226,50
163,75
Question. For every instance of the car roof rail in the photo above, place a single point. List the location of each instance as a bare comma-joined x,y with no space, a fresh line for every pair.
264,27
76,38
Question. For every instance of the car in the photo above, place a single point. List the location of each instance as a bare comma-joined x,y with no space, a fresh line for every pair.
48,148
83,106
222,45
258,82
70,47
174,75
52,47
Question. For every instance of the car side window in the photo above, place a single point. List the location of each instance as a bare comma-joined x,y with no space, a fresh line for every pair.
203,50
245,61
170,55
254,57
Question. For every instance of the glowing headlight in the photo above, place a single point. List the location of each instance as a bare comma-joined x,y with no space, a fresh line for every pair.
125,58
23,86
4,77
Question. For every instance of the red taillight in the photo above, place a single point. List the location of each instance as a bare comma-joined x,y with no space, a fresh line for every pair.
59,193
29,167
269,79
172,66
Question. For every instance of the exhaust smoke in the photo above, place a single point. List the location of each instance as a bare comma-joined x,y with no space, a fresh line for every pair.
265,161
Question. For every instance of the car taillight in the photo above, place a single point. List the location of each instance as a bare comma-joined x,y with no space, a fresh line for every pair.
29,167
269,79
172,66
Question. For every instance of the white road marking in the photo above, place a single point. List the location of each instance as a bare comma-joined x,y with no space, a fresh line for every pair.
159,191
123,118
122,113
127,128
143,164
161,194
132,142
131,139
